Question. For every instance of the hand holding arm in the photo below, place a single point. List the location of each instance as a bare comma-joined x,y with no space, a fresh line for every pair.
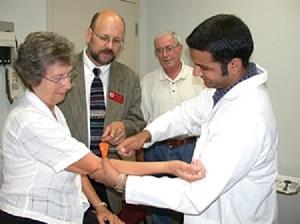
134,143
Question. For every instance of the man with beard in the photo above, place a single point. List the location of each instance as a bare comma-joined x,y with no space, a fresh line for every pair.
119,115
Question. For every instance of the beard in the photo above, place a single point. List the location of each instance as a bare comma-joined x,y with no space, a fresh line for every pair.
96,56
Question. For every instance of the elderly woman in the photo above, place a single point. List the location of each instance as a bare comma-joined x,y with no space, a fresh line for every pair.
44,167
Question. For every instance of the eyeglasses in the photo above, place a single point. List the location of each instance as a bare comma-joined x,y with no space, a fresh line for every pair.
118,42
60,79
167,49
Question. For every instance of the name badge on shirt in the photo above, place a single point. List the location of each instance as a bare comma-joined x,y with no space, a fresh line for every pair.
116,97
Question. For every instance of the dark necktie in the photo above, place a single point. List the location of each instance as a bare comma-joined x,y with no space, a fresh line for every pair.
97,111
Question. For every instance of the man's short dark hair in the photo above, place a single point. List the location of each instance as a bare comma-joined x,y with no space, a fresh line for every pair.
225,37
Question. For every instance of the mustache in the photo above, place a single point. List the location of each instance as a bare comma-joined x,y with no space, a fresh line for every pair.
106,51
96,57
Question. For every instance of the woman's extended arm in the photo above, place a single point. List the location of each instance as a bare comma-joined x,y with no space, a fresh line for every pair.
86,165
115,170
186,171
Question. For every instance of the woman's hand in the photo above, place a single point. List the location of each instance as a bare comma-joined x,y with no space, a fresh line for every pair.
188,172
103,214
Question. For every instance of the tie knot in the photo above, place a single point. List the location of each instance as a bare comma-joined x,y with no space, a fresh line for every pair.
96,72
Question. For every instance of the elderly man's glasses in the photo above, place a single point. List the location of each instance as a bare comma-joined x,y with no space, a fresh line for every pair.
60,79
118,42
167,49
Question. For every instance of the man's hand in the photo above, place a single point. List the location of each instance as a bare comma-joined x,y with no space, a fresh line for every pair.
131,144
188,172
107,175
114,133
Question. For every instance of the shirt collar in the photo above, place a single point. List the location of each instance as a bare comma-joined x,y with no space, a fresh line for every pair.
90,65
181,75
38,103
251,71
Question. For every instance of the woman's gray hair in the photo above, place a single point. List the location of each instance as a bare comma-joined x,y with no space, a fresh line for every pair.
39,50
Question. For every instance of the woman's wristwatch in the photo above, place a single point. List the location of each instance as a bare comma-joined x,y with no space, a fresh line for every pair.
101,203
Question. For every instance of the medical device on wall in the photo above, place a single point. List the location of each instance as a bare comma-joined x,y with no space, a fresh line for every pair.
14,85
7,42
8,46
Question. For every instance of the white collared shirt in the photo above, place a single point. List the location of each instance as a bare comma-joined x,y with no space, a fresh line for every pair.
88,77
37,148
160,93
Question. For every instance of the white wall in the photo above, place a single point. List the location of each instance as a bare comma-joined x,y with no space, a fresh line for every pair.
275,28
27,16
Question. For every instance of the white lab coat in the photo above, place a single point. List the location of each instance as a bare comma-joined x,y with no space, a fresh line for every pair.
238,148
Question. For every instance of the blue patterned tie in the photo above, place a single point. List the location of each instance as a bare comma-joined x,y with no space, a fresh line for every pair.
97,111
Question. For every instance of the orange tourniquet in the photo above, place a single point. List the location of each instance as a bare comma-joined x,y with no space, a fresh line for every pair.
103,147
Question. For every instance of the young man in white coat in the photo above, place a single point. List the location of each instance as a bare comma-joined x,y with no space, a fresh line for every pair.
238,135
